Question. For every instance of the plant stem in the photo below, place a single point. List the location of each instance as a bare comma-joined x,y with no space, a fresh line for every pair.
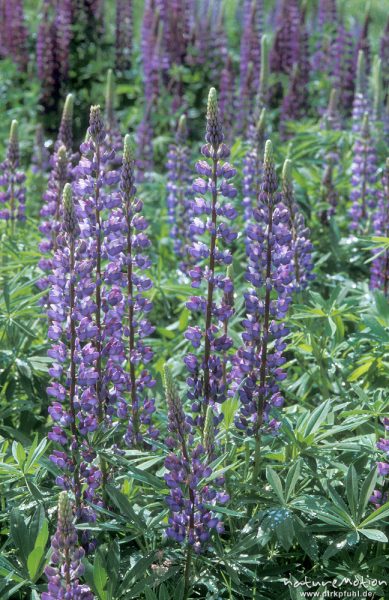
265,335
208,319
100,404
72,391
134,408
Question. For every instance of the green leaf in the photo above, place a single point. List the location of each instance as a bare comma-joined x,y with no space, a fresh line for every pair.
275,483
20,536
292,478
100,576
352,489
374,534
361,370
377,515
366,491
316,419
34,560
125,508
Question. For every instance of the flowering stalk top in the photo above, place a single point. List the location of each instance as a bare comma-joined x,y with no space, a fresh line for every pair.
11,178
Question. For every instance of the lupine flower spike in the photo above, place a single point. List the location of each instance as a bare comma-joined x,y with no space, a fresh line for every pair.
190,521
12,179
380,266
360,103
363,180
66,559
179,194
133,241
206,371
300,243
257,364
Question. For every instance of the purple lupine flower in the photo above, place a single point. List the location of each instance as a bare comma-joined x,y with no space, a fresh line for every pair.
99,318
66,559
212,234
40,160
13,196
295,103
252,172
63,37
363,180
257,364
134,241
51,210
123,35
179,193
47,66
300,243
379,277
250,60
219,47
191,496
360,102
13,33
286,46
327,13
331,119
342,70
384,55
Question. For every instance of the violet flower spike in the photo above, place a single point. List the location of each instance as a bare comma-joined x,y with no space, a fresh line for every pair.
134,241
66,559
363,180
13,196
206,374
300,243
270,272
379,274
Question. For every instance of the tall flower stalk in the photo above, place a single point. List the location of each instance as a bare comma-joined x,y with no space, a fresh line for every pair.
379,278
66,559
136,304
300,243
257,363
360,103
363,179
179,193
206,373
12,179
188,470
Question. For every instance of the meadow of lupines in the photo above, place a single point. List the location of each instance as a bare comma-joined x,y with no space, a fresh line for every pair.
194,308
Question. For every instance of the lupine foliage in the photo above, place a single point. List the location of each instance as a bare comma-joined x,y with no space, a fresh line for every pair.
194,299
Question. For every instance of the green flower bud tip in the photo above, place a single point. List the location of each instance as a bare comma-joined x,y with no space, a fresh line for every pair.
269,153
182,128
13,134
65,514
212,100
361,71
69,214
128,152
333,103
171,393
287,172
261,123
68,107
